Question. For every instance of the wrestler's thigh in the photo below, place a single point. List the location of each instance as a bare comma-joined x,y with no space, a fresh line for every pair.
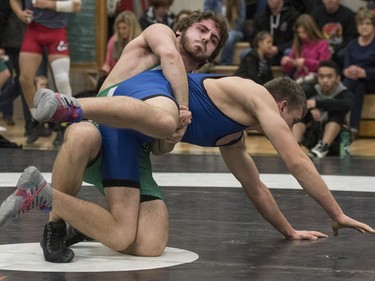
153,229
123,203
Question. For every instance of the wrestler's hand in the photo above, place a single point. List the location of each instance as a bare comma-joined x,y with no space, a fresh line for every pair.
346,222
185,117
306,235
177,136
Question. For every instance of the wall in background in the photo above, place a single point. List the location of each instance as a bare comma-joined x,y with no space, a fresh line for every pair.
187,4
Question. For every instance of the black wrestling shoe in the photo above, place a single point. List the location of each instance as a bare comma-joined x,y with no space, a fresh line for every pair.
73,236
53,245
34,132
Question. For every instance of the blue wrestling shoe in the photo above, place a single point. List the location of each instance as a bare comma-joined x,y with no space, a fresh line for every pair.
51,106
32,191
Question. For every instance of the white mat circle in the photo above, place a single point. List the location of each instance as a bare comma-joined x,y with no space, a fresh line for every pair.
89,257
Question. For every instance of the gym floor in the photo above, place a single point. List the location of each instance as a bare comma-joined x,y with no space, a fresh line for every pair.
212,220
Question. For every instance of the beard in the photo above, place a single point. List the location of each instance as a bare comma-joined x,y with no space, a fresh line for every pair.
197,52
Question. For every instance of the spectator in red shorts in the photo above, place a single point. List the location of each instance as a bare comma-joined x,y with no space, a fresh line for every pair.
46,30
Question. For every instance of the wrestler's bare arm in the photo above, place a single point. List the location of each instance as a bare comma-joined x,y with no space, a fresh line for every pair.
301,167
155,45
171,62
243,168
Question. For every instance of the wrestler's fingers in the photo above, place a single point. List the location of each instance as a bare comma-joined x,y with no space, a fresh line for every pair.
318,234
314,235
363,228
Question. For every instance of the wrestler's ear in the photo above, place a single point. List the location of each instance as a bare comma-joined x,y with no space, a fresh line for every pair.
178,33
283,105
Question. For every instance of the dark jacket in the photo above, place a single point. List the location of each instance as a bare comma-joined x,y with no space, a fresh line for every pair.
250,67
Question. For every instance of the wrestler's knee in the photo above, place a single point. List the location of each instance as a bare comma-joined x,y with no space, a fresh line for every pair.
146,248
153,230
83,137
121,239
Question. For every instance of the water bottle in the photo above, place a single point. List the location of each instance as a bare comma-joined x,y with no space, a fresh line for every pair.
344,144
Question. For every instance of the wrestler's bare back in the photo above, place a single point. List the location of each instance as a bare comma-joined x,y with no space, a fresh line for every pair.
237,98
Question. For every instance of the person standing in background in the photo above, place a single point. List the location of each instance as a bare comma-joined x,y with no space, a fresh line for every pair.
11,34
46,28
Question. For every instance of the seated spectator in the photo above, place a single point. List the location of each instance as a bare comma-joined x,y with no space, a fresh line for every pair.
115,7
328,103
359,65
4,76
158,12
256,65
4,73
308,50
278,20
235,14
126,27
337,24
41,82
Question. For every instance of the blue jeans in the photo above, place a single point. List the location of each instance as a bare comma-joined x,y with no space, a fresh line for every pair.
359,88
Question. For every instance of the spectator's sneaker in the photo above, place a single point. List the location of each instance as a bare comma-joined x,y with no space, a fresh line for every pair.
73,236
320,150
32,191
51,106
53,243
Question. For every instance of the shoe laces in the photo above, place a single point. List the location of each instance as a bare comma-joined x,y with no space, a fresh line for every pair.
55,238
31,198
66,110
